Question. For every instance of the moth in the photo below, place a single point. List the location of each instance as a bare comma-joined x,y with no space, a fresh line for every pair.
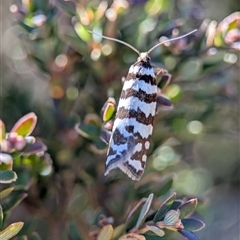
132,129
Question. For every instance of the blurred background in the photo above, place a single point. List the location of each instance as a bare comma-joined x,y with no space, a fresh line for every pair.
52,66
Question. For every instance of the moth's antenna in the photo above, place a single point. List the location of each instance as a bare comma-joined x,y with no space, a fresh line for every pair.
117,40
169,40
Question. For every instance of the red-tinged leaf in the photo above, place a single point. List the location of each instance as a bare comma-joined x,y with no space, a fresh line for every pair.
2,131
188,207
193,224
109,112
34,148
188,235
164,208
25,125
144,211
155,229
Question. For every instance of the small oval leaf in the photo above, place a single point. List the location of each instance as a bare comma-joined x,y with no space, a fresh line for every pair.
144,211
82,32
164,208
25,125
192,224
108,112
2,131
171,217
7,176
132,236
11,231
188,207
118,231
89,131
188,235
4,193
155,229
34,148
106,233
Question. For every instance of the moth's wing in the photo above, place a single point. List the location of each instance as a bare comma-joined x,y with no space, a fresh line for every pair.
128,151
121,147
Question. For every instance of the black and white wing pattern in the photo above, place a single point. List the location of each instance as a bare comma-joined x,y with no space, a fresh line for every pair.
133,125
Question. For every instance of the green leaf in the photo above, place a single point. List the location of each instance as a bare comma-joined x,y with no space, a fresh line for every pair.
25,125
10,205
188,235
155,229
188,207
144,211
73,232
22,181
108,109
88,130
2,131
193,224
4,193
11,231
82,32
176,204
7,176
118,231
100,144
164,208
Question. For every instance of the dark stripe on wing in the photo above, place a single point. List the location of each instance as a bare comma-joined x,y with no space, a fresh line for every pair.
141,95
146,78
137,174
138,115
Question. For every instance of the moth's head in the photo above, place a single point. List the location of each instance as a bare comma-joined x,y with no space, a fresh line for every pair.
143,57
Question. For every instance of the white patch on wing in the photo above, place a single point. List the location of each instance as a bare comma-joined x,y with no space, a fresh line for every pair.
136,84
147,144
133,103
144,158
138,147
142,129
141,70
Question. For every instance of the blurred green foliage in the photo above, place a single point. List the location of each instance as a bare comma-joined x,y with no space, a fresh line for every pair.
54,67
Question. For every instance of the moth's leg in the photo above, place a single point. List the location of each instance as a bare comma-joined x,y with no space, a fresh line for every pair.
105,135
163,103
163,78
